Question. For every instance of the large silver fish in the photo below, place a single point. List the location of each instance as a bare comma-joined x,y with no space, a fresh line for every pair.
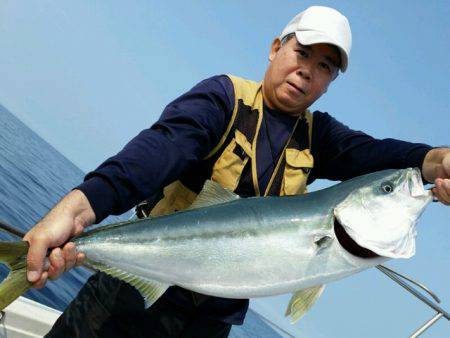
235,247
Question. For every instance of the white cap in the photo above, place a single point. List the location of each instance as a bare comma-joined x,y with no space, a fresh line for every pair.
319,24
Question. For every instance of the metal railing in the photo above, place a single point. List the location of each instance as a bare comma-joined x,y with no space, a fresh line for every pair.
440,312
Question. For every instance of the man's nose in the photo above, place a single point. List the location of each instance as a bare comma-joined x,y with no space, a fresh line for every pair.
304,72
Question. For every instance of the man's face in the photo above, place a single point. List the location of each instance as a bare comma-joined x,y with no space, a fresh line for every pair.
298,75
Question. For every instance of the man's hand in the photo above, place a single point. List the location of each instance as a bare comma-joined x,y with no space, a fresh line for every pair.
67,219
436,168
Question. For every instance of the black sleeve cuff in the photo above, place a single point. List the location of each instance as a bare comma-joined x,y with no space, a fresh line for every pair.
100,195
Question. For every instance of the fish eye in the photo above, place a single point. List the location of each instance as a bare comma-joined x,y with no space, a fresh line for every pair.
387,187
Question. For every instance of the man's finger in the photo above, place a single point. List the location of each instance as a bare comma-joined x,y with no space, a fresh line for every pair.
443,188
80,258
443,199
446,185
35,258
41,282
446,164
70,255
57,264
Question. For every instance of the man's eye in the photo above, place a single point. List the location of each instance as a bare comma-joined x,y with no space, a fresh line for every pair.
324,66
302,53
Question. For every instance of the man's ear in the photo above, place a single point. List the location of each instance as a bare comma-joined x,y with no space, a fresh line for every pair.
276,45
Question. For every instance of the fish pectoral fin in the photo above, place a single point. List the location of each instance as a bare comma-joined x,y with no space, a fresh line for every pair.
149,289
302,301
322,242
212,194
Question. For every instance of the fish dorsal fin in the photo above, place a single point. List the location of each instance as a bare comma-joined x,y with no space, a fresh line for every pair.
212,194
149,289
302,301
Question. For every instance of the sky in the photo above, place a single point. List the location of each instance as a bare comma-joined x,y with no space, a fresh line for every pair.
87,76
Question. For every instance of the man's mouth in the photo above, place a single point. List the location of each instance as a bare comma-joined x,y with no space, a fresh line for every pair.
297,88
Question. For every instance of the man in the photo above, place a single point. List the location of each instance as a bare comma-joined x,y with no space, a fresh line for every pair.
255,139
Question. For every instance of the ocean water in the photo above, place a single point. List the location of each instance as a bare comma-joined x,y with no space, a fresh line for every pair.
33,177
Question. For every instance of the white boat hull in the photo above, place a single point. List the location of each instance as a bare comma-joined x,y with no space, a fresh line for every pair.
25,318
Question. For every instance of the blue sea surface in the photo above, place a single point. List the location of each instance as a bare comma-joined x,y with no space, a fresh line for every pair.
33,177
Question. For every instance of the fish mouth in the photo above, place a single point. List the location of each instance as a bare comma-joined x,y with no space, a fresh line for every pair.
349,244
416,186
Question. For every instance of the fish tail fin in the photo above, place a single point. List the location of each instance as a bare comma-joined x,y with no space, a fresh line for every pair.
13,254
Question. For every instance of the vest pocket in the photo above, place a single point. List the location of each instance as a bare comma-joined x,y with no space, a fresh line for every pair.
176,197
298,166
228,168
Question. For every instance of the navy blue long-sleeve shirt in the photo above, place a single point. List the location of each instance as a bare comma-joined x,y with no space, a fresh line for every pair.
191,126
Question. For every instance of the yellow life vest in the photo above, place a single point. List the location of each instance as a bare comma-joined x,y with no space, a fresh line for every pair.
233,161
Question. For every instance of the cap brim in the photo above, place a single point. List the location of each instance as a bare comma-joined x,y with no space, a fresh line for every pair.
312,37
